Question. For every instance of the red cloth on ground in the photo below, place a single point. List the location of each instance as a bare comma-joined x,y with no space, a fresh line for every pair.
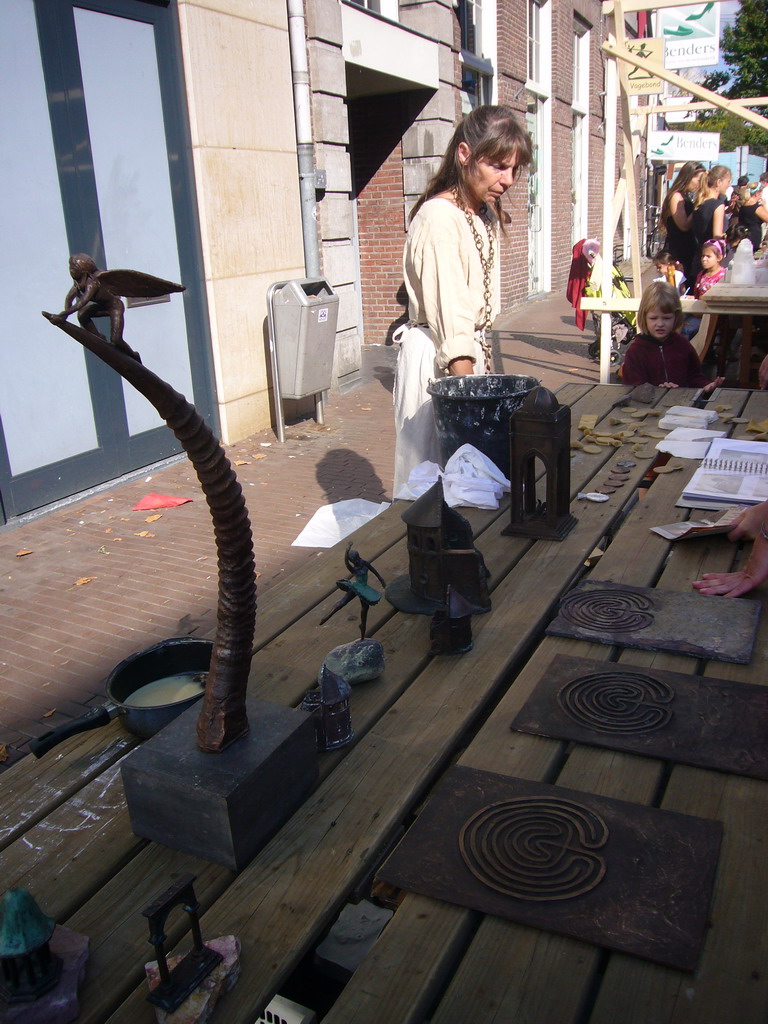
577,279
150,501
675,361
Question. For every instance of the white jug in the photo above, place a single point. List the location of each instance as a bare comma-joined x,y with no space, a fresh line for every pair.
743,266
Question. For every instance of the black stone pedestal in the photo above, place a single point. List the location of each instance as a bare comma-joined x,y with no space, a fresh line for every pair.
221,807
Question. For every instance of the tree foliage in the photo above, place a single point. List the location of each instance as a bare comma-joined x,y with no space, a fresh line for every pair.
744,50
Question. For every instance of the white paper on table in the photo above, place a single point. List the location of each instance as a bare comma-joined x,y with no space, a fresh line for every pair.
331,523
685,444
687,416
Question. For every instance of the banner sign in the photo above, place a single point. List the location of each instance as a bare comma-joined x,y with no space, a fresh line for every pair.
671,147
635,81
691,35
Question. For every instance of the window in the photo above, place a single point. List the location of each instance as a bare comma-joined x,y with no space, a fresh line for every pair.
477,26
534,41
386,8
580,151
539,122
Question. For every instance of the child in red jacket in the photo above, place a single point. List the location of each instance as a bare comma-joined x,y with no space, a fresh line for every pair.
660,355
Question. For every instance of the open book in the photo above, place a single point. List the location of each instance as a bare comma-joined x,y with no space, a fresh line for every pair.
735,472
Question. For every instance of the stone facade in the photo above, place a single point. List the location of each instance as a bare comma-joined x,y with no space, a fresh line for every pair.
377,137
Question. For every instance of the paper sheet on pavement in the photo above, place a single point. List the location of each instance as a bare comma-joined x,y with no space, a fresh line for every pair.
331,523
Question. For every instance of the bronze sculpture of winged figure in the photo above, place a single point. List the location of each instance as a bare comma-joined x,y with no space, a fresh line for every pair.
97,292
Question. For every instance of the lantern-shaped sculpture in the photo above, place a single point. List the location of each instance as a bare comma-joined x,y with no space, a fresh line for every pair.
441,553
540,430
451,627
29,968
329,704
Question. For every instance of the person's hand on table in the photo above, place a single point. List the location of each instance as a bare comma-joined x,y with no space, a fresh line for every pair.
747,526
716,383
730,584
734,584
668,384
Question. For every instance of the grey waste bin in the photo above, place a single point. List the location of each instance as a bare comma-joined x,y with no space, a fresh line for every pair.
305,314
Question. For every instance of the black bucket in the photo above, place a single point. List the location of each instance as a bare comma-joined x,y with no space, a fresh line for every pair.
475,409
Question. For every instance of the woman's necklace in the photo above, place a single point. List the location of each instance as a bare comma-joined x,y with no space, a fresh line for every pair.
486,262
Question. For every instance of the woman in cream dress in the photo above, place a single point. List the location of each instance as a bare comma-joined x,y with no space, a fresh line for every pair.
451,273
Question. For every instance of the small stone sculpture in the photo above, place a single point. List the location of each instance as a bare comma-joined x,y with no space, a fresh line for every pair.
357,662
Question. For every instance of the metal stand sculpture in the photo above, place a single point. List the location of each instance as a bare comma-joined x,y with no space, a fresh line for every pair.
540,429
223,717
177,984
222,808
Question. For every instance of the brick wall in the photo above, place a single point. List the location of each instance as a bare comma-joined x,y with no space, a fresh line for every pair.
377,124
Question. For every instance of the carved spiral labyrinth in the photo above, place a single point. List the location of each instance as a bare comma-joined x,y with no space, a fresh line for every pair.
612,611
535,848
617,702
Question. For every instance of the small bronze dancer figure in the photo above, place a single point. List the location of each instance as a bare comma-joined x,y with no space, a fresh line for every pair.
357,587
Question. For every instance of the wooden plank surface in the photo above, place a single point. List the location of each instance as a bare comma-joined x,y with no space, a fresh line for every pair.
282,901
409,723
514,973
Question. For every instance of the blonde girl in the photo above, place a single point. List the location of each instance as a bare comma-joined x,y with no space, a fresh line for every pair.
708,220
660,355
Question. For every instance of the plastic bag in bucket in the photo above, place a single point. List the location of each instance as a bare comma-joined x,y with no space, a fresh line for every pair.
475,409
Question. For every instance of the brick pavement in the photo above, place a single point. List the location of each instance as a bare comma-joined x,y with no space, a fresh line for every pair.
59,638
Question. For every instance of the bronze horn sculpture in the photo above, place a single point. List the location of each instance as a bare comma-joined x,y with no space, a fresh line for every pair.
223,717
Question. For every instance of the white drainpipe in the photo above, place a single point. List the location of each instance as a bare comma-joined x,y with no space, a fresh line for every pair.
302,100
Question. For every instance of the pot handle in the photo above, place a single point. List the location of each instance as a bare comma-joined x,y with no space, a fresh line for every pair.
94,719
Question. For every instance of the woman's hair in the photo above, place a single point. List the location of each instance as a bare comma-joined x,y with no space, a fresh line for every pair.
493,133
659,295
708,188
682,184
735,233
717,247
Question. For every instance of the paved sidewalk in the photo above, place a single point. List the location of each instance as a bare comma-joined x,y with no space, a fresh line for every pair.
101,581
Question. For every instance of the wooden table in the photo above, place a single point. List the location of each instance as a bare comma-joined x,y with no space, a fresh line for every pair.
722,302
64,830
710,311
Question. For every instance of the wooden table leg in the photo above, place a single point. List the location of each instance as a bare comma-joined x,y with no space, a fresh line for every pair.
706,332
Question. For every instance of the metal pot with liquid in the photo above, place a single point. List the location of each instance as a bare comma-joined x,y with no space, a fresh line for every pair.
146,691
